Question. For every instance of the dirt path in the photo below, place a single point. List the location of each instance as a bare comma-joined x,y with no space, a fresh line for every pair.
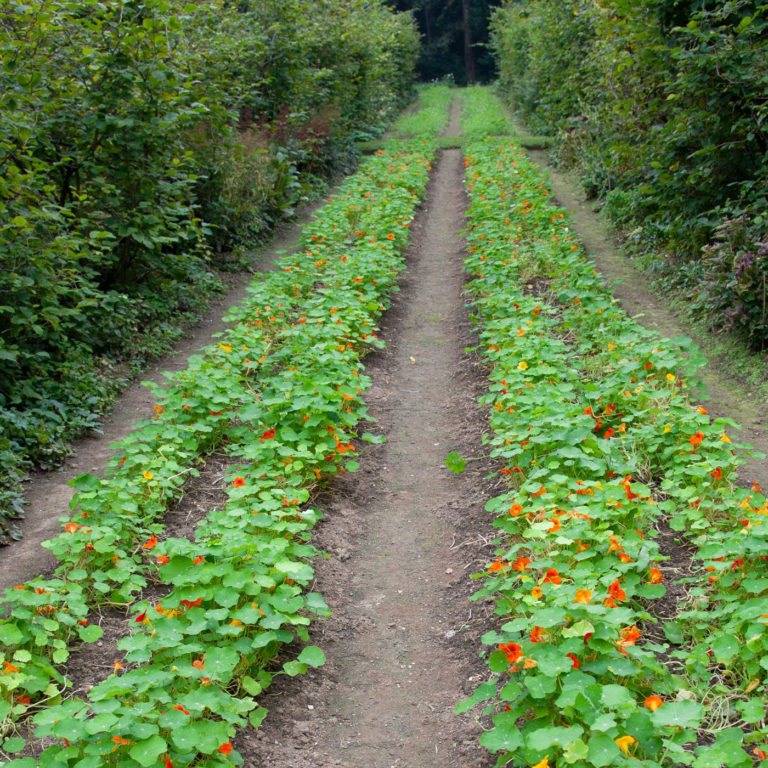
730,398
403,534
48,493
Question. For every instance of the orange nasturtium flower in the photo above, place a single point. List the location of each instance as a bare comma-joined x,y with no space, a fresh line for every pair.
537,593
8,668
162,559
552,577
583,596
515,510
696,439
497,565
537,635
653,702
238,482
151,542
521,564
656,576
71,527
627,636
555,525
616,592
624,743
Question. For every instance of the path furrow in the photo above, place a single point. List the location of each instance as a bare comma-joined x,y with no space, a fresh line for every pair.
401,645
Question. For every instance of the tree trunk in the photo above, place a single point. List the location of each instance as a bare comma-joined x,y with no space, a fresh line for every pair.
469,54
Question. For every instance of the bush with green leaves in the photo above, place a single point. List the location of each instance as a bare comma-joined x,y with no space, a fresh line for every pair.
661,108
137,141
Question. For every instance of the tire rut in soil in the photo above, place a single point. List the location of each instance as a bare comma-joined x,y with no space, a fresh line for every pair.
403,534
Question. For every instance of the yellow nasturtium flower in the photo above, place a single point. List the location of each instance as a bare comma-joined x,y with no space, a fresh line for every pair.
624,743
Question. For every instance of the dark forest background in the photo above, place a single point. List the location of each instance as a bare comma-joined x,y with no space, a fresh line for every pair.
454,37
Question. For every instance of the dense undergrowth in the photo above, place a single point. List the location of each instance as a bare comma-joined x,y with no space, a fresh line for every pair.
661,108
138,143
631,580
282,393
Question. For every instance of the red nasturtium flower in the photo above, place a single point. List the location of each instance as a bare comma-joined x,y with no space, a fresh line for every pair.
717,473
513,651
225,748
142,617
760,753
239,482
168,763
653,702
573,659
269,434
537,635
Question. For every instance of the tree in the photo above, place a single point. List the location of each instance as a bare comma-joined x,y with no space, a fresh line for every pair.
454,38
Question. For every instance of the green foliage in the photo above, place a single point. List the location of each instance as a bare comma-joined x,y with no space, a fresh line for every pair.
139,140
661,108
